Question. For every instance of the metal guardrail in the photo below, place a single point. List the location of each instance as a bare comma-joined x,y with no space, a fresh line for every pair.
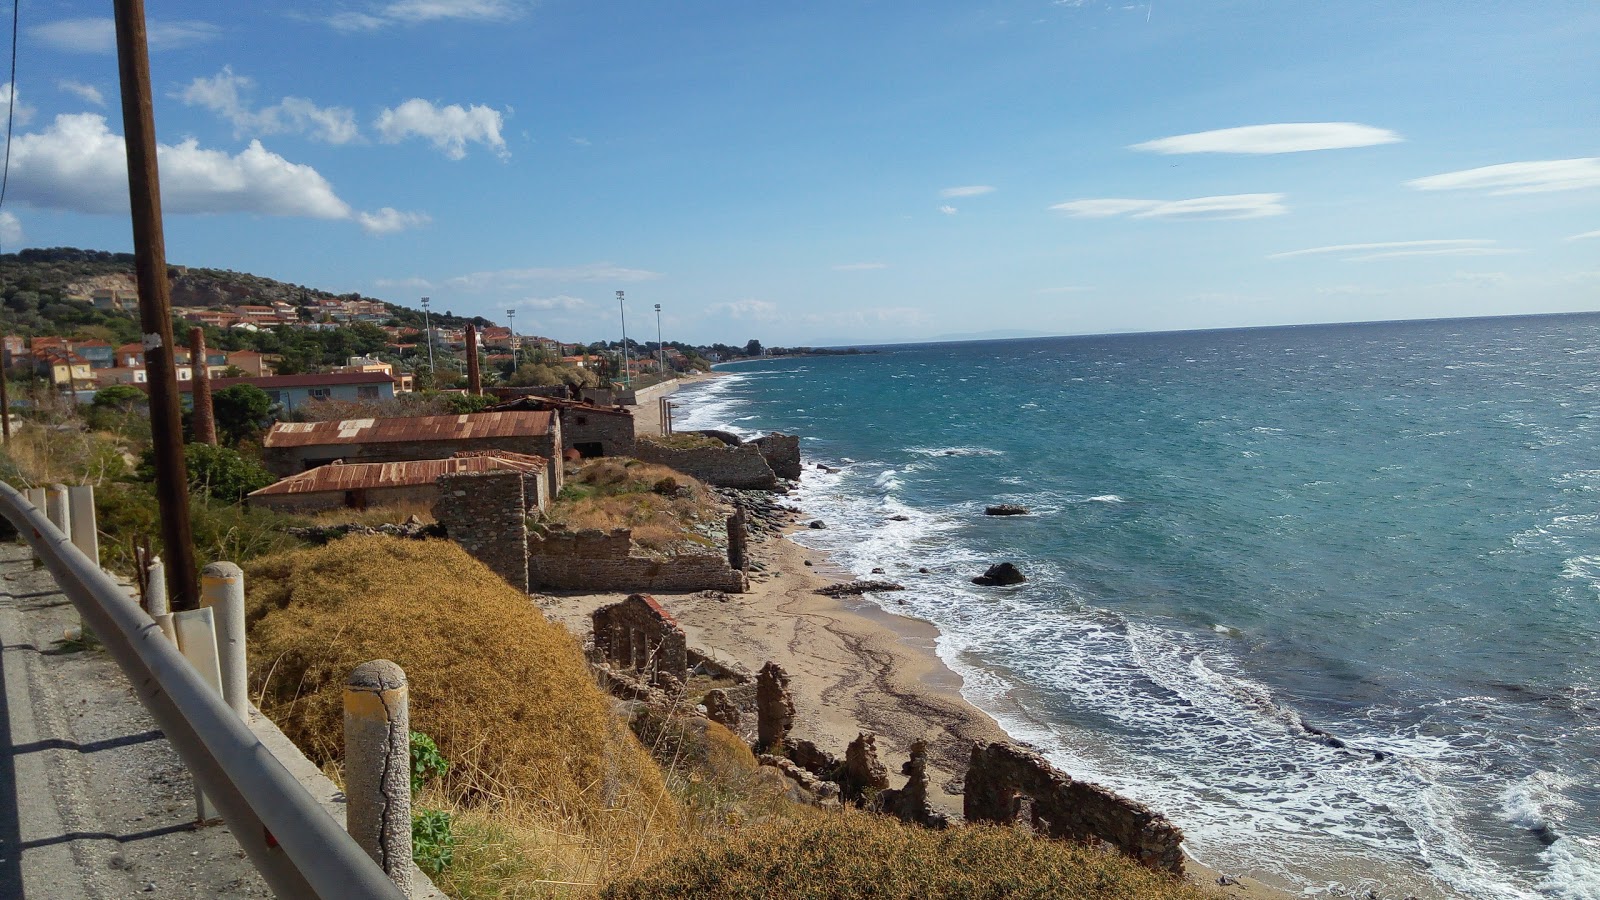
297,847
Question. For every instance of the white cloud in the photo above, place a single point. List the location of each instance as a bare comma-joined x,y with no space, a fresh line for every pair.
948,210
746,310
223,94
971,190
1584,236
410,12
513,279
563,302
1227,206
100,35
1293,137
21,112
1386,246
450,128
860,266
388,220
86,92
1441,251
78,164
412,283
10,229
1531,177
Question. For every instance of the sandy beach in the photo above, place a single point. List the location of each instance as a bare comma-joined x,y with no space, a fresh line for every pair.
854,668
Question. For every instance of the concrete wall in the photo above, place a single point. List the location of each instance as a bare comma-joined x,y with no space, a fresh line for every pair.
603,561
730,467
487,514
1004,781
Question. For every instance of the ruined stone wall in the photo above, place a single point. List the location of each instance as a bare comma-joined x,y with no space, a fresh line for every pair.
730,467
614,433
285,461
604,561
782,453
486,513
1004,780
639,634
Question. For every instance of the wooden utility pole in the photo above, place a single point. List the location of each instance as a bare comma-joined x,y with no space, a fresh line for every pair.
474,379
204,421
5,398
155,305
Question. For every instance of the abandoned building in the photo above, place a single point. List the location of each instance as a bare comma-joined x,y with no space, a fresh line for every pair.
292,447
639,635
360,485
587,429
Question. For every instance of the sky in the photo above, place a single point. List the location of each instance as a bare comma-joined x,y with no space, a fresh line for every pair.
850,171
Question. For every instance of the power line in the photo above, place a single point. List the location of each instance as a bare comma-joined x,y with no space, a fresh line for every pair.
11,108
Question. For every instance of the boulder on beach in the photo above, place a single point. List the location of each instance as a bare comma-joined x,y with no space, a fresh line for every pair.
1005,509
817,523
1000,574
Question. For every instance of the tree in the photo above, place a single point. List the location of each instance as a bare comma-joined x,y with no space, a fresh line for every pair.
222,473
241,412
753,348
120,397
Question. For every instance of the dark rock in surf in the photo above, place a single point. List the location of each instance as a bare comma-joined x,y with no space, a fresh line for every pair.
1005,509
817,523
1000,574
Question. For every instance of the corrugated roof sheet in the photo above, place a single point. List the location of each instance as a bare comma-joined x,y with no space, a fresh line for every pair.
410,428
360,476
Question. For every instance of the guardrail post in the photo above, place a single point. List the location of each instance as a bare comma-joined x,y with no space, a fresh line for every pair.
377,766
155,599
222,591
80,504
55,508
35,497
197,641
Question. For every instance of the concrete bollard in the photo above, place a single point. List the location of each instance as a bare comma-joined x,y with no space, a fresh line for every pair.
56,508
80,505
155,599
197,641
377,766
35,496
222,591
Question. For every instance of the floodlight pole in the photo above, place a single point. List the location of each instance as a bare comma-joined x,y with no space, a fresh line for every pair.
627,375
155,305
661,350
511,326
427,326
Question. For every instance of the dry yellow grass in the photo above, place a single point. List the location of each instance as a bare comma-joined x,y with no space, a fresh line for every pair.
504,692
661,506
850,855
387,514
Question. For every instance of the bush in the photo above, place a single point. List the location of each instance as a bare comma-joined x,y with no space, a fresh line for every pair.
222,474
849,855
221,531
241,412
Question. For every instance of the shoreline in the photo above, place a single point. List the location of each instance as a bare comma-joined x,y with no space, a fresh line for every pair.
854,667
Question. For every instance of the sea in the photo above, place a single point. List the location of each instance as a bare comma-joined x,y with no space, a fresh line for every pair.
1326,596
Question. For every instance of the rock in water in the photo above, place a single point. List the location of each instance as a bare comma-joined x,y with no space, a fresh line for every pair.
818,523
1005,509
1000,574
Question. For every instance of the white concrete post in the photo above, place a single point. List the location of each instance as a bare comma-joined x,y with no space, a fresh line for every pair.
222,592
155,599
80,504
35,496
56,509
377,766
197,641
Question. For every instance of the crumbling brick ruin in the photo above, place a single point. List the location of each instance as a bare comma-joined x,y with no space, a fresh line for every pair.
487,514
752,465
593,560
738,540
640,635
910,803
774,708
1003,779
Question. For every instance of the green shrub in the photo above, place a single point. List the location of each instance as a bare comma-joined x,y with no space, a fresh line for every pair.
433,844
222,474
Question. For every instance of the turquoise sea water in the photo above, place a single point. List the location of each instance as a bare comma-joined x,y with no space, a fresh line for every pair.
1327,596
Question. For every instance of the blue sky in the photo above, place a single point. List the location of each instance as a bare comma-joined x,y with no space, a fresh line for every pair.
847,171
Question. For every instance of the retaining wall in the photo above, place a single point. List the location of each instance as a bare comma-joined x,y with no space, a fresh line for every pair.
594,560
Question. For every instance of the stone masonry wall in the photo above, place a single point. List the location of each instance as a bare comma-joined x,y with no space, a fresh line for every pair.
730,467
782,453
639,634
603,561
486,513
613,432
1001,775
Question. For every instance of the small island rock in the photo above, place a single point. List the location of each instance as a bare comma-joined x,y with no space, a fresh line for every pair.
1005,509
1000,574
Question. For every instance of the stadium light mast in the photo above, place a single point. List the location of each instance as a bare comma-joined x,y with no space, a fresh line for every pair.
427,325
627,376
511,326
661,349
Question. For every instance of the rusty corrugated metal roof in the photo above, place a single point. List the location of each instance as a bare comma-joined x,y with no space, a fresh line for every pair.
410,428
359,476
